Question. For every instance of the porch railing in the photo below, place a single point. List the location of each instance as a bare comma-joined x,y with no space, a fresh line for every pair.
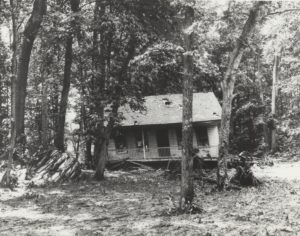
172,152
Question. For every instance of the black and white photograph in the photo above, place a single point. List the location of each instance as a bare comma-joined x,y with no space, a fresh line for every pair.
149,117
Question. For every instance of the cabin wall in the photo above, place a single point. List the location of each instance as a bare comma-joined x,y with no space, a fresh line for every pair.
213,139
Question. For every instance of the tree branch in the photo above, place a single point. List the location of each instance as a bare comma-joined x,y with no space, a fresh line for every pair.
280,12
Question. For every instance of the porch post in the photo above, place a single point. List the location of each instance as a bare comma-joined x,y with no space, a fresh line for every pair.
143,140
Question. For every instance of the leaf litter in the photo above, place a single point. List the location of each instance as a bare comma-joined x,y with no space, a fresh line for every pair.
135,203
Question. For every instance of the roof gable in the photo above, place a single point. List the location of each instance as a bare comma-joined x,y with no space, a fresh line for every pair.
167,109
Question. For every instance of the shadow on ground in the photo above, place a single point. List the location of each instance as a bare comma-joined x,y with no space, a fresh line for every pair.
138,203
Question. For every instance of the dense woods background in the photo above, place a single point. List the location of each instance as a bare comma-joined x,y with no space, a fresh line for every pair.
91,57
67,66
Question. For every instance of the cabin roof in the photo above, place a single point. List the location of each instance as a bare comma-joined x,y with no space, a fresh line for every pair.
167,109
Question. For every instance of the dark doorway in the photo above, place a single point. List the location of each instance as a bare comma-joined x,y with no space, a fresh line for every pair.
201,135
163,144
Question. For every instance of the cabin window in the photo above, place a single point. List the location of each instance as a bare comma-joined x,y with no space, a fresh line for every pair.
179,136
120,140
201,135
139,138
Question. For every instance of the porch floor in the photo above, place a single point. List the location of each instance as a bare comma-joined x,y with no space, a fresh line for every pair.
170,153
167,159
163,163
149,160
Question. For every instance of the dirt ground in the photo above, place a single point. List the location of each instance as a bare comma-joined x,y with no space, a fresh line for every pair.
139,203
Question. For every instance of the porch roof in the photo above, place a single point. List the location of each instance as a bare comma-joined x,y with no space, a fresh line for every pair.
167,109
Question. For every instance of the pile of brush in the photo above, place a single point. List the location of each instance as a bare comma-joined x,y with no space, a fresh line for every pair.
55,167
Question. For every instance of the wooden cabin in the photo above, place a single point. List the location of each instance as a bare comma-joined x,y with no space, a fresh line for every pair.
155,134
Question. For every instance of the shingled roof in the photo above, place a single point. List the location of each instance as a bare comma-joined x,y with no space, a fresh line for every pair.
167,109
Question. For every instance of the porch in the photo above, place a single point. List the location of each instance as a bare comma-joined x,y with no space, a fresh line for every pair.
146,154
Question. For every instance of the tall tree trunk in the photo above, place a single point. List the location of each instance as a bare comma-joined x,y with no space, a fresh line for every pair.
103,139
228,88
100,150
274,95
88,154
29,35
259,76
6,179
101,154
187,187
60,132
55,96
14,63
44,105
44,128
83,116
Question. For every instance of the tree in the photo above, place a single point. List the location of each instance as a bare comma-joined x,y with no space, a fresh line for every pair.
187,188
159,68
274,96
60,132
6,179
19,83
5,65
119,30
228,88
44,111
266,139
29,35
44,72
99,64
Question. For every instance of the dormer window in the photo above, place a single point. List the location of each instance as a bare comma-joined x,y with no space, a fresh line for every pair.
167,101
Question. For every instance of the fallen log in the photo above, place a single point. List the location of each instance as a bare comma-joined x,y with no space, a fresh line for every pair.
55,167
209,180
117,164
